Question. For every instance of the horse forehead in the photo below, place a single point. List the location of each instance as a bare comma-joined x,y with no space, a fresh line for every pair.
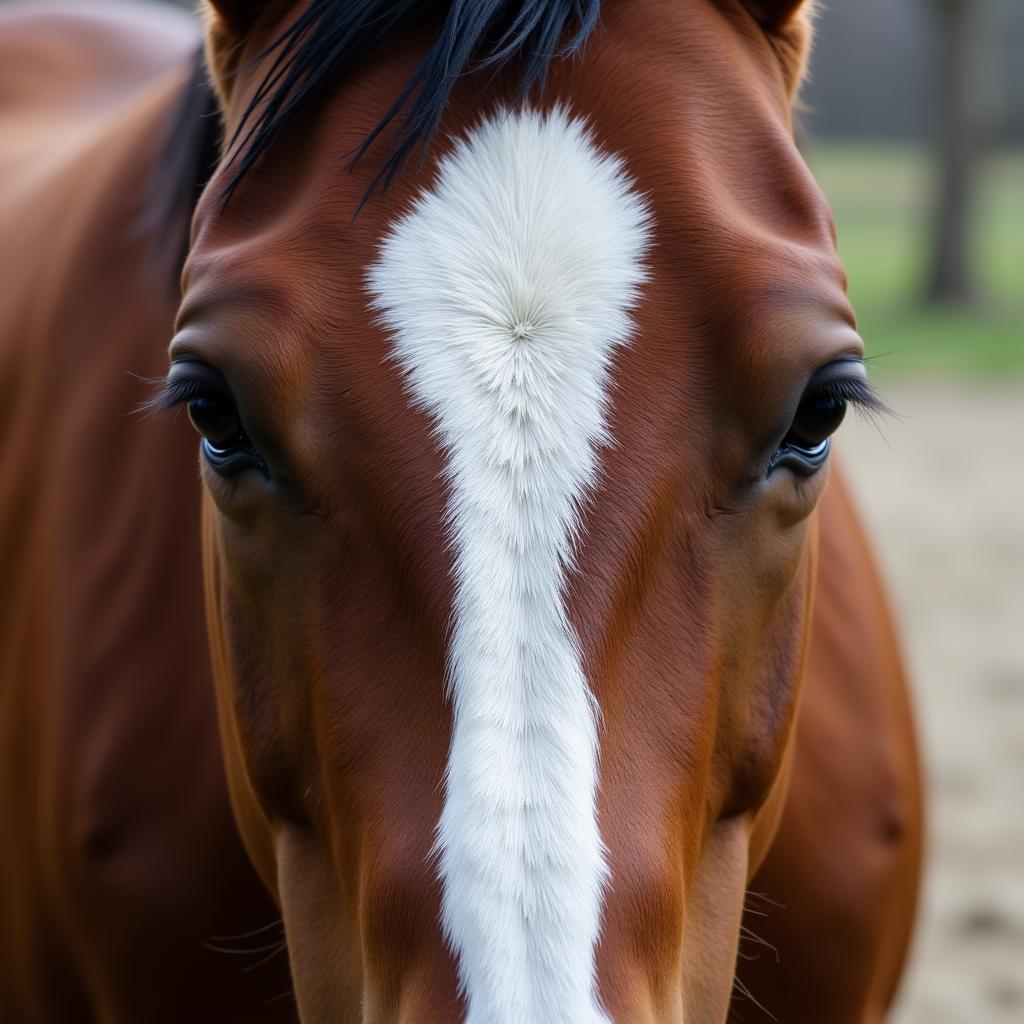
647,83
741,233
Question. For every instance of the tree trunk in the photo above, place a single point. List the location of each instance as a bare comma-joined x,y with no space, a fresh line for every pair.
950,277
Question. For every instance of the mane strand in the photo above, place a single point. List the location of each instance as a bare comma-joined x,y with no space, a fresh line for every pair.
186,160
331,36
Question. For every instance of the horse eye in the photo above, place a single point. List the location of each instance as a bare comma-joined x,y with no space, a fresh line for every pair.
805,448
817,418
206,395
217,421
226,446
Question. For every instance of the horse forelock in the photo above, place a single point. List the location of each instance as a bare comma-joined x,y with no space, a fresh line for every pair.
183,167
506,290
330,36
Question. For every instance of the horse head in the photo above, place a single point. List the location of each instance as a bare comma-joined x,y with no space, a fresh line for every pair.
511,446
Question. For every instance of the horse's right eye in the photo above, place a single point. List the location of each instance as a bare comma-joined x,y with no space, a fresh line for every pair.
211,408
216,419
226,445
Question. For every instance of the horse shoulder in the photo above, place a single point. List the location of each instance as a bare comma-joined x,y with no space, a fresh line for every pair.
122,858
83,89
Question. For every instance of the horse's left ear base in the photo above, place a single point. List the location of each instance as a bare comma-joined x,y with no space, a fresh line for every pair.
776,13
788,25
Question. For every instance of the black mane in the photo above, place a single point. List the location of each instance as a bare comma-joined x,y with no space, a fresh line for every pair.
187,158
330,36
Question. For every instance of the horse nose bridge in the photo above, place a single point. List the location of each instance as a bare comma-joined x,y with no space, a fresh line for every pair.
641,590
676,887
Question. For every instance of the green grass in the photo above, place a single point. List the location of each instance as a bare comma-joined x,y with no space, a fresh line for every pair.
881,195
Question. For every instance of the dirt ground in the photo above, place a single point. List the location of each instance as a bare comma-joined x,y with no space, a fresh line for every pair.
943,490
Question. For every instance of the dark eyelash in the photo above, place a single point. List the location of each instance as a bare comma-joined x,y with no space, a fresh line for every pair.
856,392
170,394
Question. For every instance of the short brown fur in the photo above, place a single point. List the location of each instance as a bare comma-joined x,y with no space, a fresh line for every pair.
703,598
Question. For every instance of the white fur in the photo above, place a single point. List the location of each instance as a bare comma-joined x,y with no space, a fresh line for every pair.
506,290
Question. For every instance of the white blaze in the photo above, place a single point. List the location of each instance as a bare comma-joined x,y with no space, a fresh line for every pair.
506,290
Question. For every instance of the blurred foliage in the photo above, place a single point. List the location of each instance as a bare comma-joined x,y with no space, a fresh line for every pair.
881,195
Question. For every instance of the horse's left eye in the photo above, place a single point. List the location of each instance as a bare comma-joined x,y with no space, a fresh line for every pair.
806,445
817,418
830,392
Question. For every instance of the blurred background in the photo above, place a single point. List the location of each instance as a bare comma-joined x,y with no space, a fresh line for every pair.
914,125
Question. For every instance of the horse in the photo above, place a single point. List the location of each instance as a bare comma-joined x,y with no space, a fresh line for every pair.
123,874
516,624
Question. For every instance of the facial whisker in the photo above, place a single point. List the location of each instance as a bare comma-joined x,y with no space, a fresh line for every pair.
747,994
276,923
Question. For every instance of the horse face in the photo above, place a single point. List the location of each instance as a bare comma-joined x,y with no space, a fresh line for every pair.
510,482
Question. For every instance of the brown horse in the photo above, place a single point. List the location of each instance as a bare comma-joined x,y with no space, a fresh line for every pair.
539,638
121,866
